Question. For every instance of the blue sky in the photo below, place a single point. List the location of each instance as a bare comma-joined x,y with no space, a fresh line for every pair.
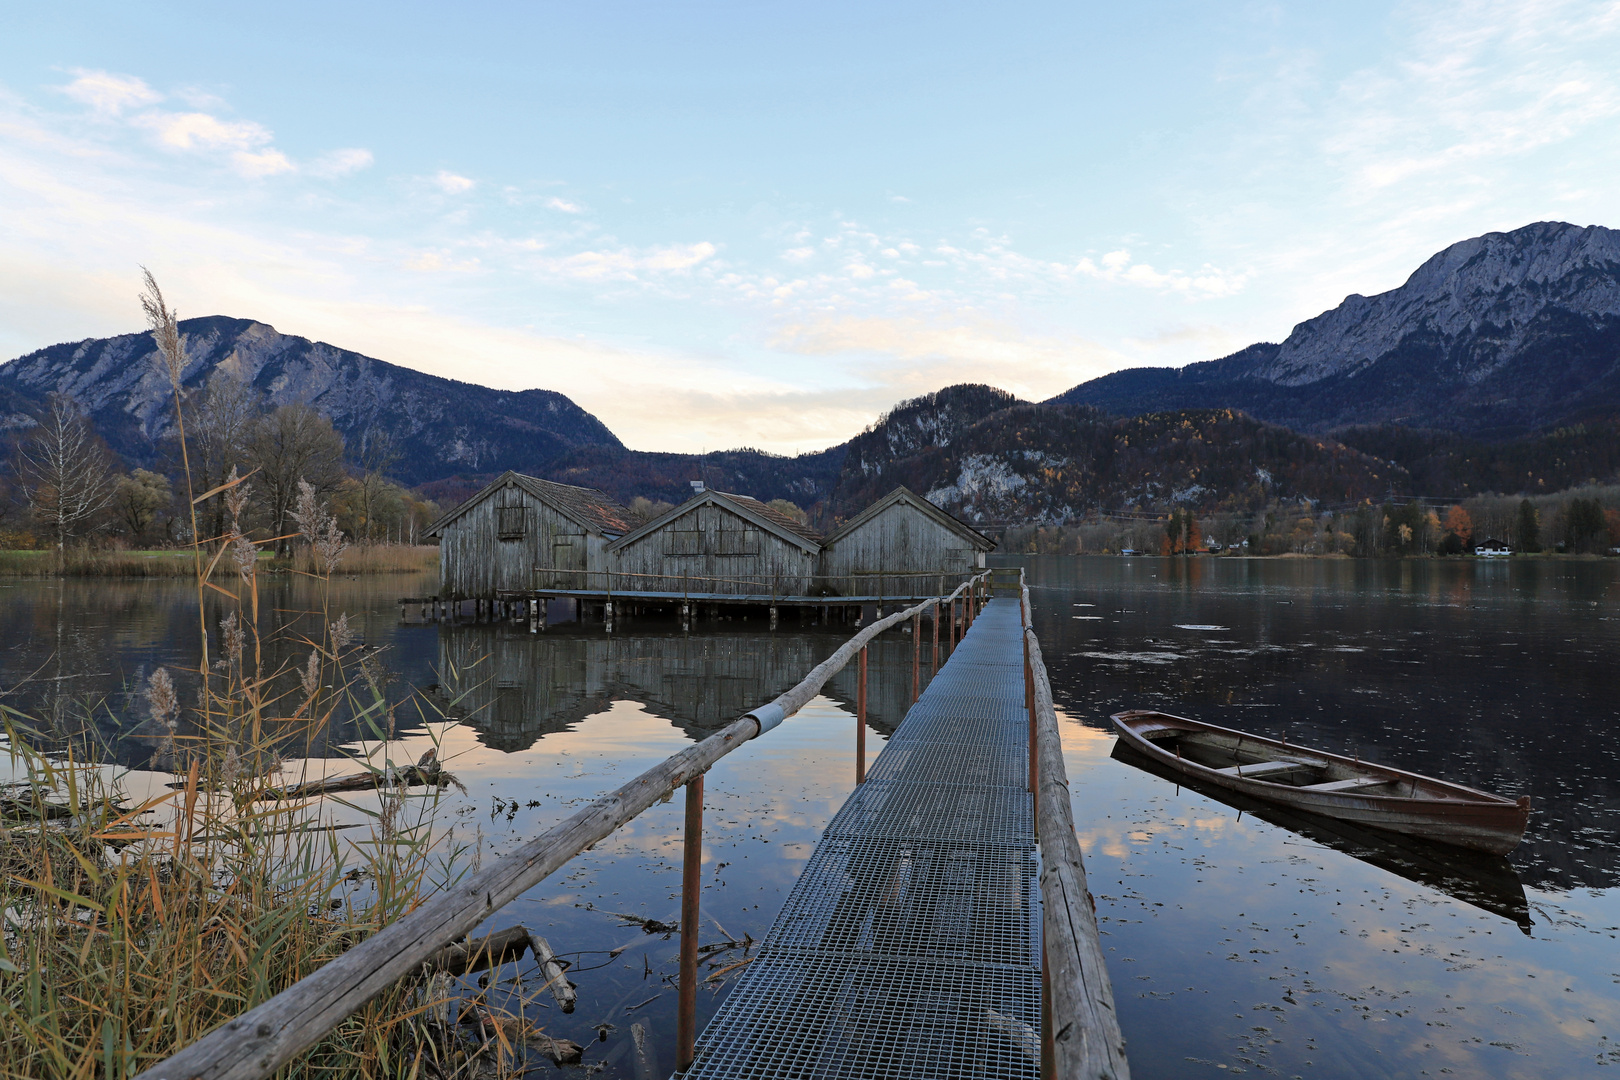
763,224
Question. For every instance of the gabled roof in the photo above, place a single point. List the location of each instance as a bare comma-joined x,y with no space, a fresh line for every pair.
590,509
911,498
752,510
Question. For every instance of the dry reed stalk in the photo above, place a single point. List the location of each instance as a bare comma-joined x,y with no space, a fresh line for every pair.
127,932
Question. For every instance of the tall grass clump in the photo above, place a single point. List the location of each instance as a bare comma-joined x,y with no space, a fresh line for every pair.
137,920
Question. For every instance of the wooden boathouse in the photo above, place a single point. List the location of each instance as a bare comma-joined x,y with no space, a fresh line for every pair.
902,545
520,533
522,545
718,543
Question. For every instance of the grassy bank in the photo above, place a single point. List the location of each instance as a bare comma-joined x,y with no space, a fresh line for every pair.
178,563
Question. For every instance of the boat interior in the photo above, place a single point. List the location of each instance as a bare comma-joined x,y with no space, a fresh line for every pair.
1262,759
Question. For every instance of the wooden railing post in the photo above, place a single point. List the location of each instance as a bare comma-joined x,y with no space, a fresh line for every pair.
860,720
691,887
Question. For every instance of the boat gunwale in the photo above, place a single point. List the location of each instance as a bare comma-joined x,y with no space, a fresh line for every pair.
1473,796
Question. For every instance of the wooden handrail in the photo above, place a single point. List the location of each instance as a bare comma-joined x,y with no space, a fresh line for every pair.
267,1036
1081,1026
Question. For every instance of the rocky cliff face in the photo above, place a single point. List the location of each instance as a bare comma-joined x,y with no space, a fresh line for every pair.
439,425
1496,336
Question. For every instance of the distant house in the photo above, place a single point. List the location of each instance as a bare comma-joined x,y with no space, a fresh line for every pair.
901,545
522,533
1492,548
717,542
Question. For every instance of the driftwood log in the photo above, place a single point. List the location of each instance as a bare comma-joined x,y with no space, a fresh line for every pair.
426,771
501,947
1081,1026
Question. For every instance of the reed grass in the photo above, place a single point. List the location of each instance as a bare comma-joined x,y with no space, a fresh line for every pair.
133,923
179,564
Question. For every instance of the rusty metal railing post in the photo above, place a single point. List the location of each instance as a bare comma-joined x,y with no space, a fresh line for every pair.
916,656
933,666
860,720
691,883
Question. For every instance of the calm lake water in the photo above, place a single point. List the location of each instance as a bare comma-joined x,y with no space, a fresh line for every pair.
1236,943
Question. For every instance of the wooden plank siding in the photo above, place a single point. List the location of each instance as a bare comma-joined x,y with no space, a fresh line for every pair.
878,551
707,545
516,535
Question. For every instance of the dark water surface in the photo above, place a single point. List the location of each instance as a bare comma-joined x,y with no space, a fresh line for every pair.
1237,944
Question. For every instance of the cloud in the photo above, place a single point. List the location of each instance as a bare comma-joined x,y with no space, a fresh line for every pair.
203,131
262,163
1118,266
109,93
451,184
927,353
564,206
341,162
626,264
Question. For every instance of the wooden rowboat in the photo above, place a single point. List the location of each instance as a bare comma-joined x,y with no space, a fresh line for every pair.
1486,881
1321,783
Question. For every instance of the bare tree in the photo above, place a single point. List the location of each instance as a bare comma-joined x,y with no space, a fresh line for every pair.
380,455
219,423
66,471
294,443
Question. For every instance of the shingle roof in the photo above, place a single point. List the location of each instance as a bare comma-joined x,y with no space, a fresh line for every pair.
591,508
906,495
775,517
588,504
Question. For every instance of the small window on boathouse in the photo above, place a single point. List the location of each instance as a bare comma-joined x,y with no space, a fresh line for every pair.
509,522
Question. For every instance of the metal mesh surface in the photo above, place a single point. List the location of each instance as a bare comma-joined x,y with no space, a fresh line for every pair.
910,946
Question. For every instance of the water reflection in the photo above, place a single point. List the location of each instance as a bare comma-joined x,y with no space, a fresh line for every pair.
1494,675
513,687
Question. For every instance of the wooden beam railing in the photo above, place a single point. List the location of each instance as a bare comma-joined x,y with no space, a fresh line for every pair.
1080,1036
269,1035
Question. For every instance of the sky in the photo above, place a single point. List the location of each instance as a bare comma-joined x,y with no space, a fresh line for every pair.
764,224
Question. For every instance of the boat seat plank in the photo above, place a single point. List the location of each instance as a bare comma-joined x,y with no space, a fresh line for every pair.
1347,785
1263,768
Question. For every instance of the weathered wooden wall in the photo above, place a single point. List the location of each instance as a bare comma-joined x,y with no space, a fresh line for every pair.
875,557
475,561
710,541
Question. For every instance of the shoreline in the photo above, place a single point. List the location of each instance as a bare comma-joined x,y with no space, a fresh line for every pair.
176,563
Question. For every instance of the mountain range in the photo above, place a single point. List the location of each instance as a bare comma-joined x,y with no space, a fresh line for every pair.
1495,366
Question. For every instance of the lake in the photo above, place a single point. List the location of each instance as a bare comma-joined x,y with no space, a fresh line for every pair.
1236,943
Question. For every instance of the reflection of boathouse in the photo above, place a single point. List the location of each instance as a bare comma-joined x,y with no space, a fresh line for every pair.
522,542
513,688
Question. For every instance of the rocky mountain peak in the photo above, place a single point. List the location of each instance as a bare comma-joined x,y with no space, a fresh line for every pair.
1495,284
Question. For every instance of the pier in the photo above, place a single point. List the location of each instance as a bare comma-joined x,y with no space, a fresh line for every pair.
911,945
942,927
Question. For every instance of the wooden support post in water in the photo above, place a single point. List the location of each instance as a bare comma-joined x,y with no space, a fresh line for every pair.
691,887
860,720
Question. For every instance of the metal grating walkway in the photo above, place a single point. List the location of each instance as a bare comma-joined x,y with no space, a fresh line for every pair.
910,947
